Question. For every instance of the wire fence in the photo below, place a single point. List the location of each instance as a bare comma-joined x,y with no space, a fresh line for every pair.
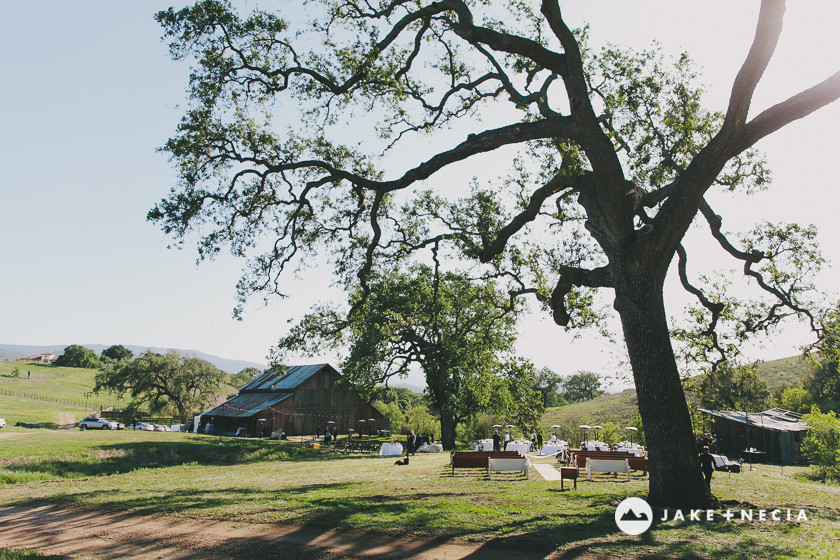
36,397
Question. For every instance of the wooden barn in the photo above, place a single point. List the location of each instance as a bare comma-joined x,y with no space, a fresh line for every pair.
775,434
302,400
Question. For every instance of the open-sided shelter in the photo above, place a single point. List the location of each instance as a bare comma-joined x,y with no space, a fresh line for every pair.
299,400
776,432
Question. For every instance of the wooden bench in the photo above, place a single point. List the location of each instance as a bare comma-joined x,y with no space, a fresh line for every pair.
607,465
570,473
636,463
504,464
478,459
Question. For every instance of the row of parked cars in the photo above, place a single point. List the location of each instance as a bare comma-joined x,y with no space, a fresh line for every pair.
93,423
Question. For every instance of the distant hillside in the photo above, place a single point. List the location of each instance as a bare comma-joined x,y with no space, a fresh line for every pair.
621,408
14,351
785,371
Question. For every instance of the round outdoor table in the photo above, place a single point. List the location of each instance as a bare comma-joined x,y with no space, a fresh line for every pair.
515,446
754,456
391,449
637,451
551,449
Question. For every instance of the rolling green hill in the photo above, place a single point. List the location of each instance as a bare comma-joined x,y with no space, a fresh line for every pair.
51,397
785,371
622,408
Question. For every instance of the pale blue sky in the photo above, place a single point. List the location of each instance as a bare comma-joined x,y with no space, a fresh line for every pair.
89,94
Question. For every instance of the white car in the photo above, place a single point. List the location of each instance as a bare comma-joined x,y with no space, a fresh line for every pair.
142,426
2,422
97,424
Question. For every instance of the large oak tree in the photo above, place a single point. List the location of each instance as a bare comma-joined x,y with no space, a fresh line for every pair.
281,158
458,331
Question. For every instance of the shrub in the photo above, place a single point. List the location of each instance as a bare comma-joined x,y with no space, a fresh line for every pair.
822,442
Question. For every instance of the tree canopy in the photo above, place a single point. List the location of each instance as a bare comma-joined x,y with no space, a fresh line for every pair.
457,330
185,386
305,141
116,353
79,357
582,386
823,383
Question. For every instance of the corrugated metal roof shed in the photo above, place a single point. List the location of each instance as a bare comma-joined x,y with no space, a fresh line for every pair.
774,419
272,381
248,404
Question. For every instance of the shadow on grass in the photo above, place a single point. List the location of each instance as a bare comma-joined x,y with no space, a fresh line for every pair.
127,457
37,425
385,526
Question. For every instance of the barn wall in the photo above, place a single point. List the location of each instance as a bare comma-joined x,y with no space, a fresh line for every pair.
314,402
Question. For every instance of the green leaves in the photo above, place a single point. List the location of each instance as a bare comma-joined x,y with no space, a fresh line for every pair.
822,442
185,386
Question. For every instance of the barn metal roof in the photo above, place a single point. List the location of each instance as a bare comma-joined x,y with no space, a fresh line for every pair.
248,404
274,381
777,419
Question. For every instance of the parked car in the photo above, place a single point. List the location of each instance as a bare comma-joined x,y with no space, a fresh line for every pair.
2,422
97,424
161,428
142,426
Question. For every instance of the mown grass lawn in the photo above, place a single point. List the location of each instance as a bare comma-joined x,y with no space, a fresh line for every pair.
248,481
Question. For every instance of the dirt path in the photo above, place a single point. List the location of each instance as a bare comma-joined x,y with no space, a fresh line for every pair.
80,534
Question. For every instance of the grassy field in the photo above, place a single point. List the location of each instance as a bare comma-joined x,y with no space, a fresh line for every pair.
200,477
47,396
50,397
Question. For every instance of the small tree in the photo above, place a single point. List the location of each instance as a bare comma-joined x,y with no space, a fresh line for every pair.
244,377
730,387
823,382
822,442
116,353
796,399
394,417
78,357
549,384
582,386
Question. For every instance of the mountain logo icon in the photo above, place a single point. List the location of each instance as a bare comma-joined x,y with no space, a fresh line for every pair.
633,516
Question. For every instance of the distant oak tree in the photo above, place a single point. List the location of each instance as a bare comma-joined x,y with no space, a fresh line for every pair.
161,382
116,353
79,357
341,135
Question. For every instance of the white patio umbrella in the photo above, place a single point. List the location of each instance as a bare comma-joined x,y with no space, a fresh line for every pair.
631,429
585,428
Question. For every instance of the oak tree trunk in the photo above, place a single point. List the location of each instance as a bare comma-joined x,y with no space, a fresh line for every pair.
447,429
675,477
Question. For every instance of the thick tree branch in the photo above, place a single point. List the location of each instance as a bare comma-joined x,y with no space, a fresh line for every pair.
600,277
715,308
559,182
796,107
751,258
504,42
767,33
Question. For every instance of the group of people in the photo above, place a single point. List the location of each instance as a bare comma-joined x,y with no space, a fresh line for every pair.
415,442
536,440
707,440
330,434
